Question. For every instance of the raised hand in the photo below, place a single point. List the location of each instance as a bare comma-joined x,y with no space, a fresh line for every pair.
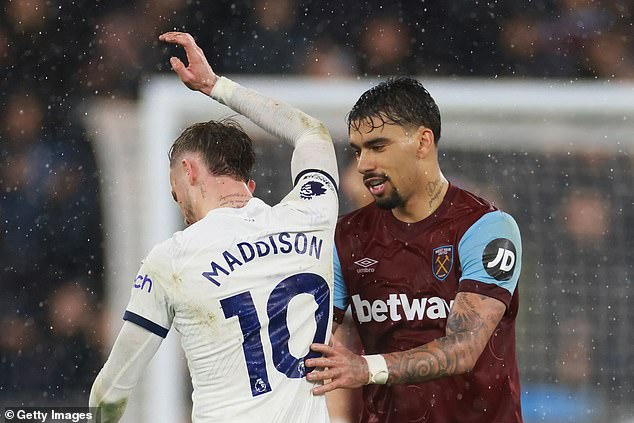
198,75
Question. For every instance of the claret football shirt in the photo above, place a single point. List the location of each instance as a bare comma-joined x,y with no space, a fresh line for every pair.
401,279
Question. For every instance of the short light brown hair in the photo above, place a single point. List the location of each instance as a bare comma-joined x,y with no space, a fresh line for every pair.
225,147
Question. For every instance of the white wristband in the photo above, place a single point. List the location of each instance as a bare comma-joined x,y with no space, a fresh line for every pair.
377,369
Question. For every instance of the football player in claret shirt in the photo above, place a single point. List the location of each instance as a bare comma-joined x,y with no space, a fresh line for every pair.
431,273
247,285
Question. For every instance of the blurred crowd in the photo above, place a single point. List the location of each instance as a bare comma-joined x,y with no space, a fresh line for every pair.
56,57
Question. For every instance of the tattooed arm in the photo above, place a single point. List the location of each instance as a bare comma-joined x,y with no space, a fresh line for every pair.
470,324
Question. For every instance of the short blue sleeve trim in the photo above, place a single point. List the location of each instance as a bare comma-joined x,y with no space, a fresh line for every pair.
491,251
341,293
145,323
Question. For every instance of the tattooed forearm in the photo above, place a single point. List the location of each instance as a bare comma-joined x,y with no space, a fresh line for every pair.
470,324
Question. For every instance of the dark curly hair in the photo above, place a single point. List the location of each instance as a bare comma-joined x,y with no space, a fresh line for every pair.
401,101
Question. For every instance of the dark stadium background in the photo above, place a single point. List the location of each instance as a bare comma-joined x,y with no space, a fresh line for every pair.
57,57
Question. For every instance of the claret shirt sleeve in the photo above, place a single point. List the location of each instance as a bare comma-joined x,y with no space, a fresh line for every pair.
150,306
490,255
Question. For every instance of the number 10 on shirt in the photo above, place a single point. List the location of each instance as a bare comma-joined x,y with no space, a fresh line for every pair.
241,305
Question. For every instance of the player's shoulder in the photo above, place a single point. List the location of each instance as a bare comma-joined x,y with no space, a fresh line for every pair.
464,201
173,247
315,190
359,217
494,230
496,221
314,182
479,210
158,262
314,194
162,251
166,258
462,208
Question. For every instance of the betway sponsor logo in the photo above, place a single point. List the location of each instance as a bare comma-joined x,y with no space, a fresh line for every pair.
400,306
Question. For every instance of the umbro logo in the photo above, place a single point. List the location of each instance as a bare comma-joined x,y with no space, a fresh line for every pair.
365,264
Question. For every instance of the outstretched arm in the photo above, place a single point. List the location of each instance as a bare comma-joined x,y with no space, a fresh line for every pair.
470,324
312,142
132,351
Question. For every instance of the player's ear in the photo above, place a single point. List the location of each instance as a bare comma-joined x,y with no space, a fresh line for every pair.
191,170
425,138
251,185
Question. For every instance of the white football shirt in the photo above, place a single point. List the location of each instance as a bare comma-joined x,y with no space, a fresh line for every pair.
249,290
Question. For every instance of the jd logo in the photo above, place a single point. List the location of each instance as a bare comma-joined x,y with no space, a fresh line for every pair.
499,259
505,260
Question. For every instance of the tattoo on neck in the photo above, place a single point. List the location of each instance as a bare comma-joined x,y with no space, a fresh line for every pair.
232,200
434,189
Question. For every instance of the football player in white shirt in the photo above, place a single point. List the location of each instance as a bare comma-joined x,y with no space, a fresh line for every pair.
248,286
